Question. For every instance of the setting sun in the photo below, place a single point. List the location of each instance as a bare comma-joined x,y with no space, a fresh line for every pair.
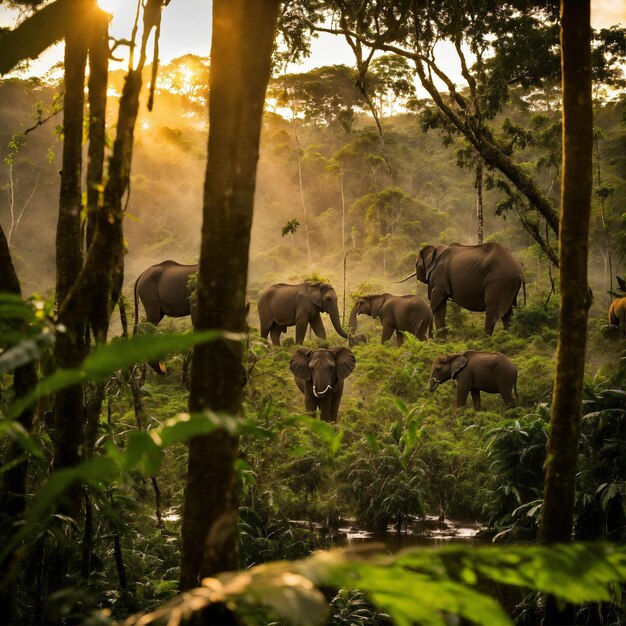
109,6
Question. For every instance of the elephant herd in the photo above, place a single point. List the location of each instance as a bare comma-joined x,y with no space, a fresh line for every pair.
485,277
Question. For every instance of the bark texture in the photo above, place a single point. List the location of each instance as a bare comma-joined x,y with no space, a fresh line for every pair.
243,37
70,348
560,480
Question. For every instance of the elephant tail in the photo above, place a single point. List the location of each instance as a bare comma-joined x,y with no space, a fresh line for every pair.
524,288
515,388
136,307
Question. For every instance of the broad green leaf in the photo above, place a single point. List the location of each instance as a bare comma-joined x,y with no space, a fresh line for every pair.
119,354
142,452
97,469
14,430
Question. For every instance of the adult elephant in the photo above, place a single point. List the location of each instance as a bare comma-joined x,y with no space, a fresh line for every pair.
486,277
319,375
397,314
284,305
164,290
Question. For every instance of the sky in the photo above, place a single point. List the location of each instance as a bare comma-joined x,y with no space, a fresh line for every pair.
186,28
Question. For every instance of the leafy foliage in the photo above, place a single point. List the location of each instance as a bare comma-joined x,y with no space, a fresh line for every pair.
412,586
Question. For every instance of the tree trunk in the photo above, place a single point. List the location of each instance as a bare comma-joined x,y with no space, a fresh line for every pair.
305,220
13,487
479,199
343,246
69,348
560,480
241,49
98,77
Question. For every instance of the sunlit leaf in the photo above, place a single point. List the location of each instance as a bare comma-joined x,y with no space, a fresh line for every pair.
117,355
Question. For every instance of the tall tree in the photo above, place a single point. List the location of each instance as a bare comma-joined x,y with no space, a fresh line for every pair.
560,481
241,50
498,45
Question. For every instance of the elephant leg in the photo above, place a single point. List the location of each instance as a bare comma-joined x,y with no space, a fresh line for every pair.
310,404
476,399
335,401
438,300
506,318
387,332
301,326
275,332
462,391
318,327
153,312
491,318
326,409
507,396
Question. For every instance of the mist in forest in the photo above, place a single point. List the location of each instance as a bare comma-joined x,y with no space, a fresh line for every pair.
420,196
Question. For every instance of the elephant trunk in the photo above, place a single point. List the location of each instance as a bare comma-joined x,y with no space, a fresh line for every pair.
353,321
334,318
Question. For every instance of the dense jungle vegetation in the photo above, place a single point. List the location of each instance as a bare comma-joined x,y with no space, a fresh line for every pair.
354,176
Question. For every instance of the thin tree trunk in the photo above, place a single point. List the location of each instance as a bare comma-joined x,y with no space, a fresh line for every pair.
305,219
605,227
98,77
13,487
479,199
69,348
560,480
243,36
343,247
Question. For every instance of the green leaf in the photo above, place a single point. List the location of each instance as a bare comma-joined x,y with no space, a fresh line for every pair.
117,355
24,352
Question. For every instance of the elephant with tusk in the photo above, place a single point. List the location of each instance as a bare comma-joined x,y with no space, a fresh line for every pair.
282,305
486,277
319,375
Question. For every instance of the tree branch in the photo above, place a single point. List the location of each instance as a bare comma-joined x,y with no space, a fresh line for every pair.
40,31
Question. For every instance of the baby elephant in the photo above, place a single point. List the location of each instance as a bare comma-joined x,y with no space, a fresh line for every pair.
397,314
319,375
491,372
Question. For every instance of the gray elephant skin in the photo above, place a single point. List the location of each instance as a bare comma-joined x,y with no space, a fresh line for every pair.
397,314
491,372
356,339
163,290
486,277
319,374
283,305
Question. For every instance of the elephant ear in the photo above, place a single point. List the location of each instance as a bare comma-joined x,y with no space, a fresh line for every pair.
429,256
344,361
314,292
299,364
376,302
457,364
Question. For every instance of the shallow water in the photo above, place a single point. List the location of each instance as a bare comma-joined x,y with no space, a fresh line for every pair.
415,535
